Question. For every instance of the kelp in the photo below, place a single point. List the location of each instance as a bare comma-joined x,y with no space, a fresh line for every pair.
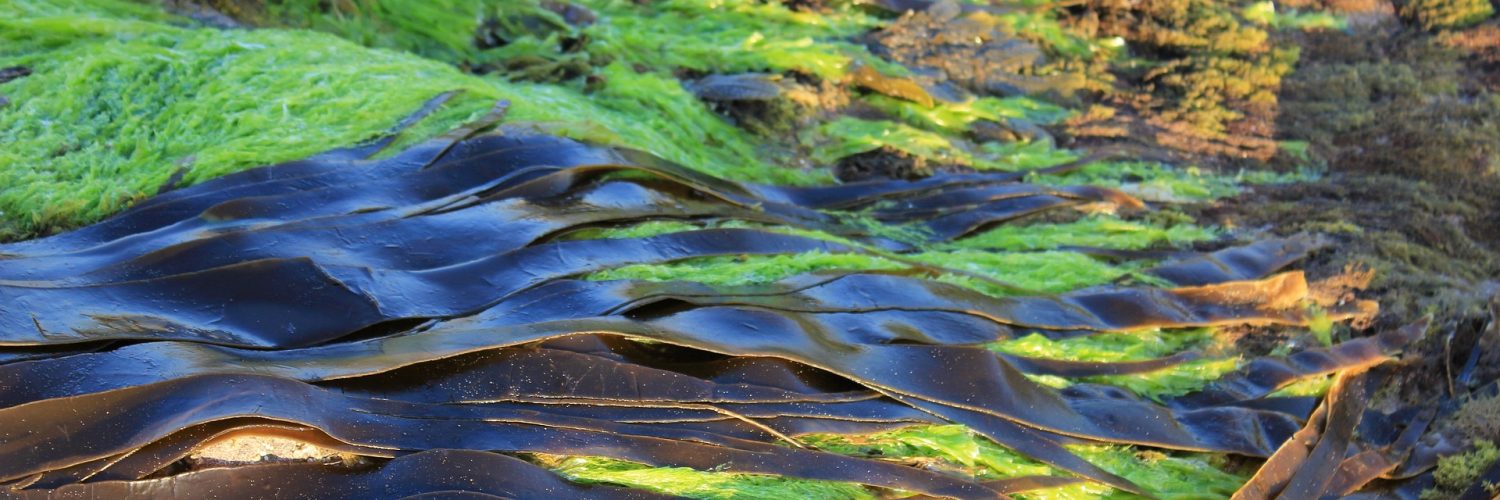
1305,467
454,473
1263,376
431,300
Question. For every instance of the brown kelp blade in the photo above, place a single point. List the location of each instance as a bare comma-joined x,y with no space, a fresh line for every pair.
865,349
1265,301
1265,375
1239,263
1305,465
459,471
389,307
81,431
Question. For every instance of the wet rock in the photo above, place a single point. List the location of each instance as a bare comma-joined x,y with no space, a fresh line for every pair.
761,103
969,49
740,87
13,72
572,13
1011,130
879,164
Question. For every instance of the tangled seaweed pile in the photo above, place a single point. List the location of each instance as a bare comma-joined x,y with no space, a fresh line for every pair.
400,309
687,302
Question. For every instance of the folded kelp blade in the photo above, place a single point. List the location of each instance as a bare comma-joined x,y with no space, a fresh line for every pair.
1239,263
1366,466
197,306
316,303
216,266
437,471
1265,301
864,347
1263,376
154,212
393,241
1305,466
433,171
545,372
626,392
159,455
867,353
87,428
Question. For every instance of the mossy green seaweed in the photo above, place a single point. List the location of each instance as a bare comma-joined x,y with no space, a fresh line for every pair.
1098,231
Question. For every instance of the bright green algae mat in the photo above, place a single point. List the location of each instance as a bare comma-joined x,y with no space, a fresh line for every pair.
123,97
950,448
86,133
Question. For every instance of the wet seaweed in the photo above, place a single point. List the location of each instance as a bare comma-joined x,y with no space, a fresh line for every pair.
451,316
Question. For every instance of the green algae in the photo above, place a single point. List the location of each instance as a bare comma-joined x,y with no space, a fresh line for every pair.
959,450
230,100
701,35
1176,380
1130,346
1313,386
1165,475
692,483
83,10
746,270
848,136
957,117
1266,14
1051,271
115,107
1034,272
659,227
911,233
1108,347
1042,271
441,30
1159,182
651,111
1455,473
1044,28
635,101
641,230
963,451
716,36
1098,231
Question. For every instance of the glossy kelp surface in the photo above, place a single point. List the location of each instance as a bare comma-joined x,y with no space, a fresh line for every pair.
424,302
